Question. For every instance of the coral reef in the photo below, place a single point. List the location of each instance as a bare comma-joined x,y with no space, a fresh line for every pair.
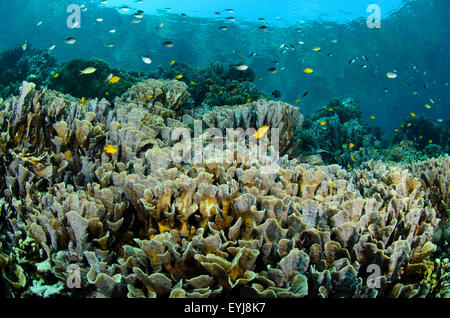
136,223
216,85
24,63
95,85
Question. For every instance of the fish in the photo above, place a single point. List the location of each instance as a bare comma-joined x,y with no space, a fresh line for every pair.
372,117
111,44
297,100
351,145
427,106
316,49
305,94
56,75
229,10
272,70
391,75
223,28
110,149
135,21
109,77
160,25
124,8
276,93
264,27
84,101
323,122
146,59
252,54
232,89
139,14
261,132
172,63
114,79
99,19
51,47
39,23
179,76
88,70
308,70
351,61
168,43
241,67
70,40
413,114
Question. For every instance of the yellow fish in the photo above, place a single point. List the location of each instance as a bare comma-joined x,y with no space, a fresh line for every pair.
179,76
248,101
351,145
114,79
261,132
420,137
297,100
260,79
193,83
430,141
220,92
396,129
348,165
323,122
353,158
88,70
84,101
403,126
308,70
413,114
372,117
316,49
173,62
330,109
106,93
110,149
427,106
56,75
149,96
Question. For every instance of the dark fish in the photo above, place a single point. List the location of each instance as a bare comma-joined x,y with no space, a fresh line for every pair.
330,54
272,70
231,18
306,93
276,93
262,19
252,54
232,89
183,15
351,61
223,28
365,57
364,66
264,27
217,13
168,44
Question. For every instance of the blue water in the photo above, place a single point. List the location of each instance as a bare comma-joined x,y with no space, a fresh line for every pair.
412,42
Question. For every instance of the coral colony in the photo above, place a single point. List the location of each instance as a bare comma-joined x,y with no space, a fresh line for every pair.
106,198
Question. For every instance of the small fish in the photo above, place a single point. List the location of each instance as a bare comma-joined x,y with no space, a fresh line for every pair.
431,100
111,44
179,76
231,18
439,120
193,83
232,89
308,70
323,122
149,96
351,61
109,77
391,75
396,129
330,109
124,8
229,10
168,43
372,117
88,70
84,101
264,27
241,67
70,40
223,28
106,93
51,47
428,106
135,21
261,132
430,141
276,93
110,149
272,70
252,54
172,63
316,49
99,19
365,57
139,14
413,114
364,66
56,75
305,94
351,145
114,79
297,100
414,93
112,31
248,100
39,23
160,26
146,59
